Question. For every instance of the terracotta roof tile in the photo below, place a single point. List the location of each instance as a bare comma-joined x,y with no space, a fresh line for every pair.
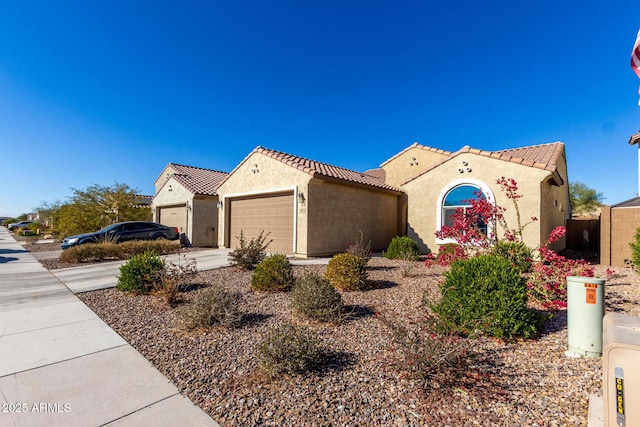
198,180
327,171
543,156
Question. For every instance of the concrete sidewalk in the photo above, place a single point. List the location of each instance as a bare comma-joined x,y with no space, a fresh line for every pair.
61,365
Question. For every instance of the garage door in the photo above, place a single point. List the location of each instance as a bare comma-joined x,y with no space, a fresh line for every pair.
272,213
174,216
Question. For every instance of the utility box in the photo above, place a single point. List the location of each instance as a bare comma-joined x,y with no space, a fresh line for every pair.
621,370
585,310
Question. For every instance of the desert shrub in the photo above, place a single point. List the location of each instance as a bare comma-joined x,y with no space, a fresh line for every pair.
313,297
635,249
489,294
35,226
273,274
213,306
360,248
175,276
290,349
249,254
347,272
92,252
447,254
141,273
517,253
433,357
402,247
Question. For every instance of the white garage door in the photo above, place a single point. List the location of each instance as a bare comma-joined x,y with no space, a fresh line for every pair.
272,213
174,216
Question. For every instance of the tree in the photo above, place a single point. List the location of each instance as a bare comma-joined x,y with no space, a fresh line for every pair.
96,207
583,199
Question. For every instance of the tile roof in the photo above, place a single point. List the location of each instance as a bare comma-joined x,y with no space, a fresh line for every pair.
542,156
325,171
198,180
420,146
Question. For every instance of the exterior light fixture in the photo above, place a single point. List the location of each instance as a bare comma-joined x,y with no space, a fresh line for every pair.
219,204
301,198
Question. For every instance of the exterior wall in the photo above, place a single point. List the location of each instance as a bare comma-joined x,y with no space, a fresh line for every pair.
424,191
338,213
618,227
164,177
261,174
403,167
204,223
177,196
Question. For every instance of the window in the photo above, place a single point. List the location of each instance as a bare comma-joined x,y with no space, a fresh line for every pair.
457,196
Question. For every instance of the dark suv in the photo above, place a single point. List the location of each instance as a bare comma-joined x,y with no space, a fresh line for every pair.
123,231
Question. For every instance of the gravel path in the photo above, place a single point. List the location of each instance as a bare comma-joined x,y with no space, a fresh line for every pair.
523,383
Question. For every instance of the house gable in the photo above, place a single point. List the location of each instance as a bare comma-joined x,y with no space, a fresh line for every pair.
411,161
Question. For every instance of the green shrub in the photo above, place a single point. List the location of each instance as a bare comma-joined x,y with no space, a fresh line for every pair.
35,226
635,248
517,253
313,297
347,272
213,306
489,294
273,274
402,247
290,349
249,254
141,273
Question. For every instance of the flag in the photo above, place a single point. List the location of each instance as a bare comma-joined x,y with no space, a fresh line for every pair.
635,58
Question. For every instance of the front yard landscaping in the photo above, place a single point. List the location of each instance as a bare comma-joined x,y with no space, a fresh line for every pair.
363,382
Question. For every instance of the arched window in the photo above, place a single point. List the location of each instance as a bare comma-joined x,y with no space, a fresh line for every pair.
457,196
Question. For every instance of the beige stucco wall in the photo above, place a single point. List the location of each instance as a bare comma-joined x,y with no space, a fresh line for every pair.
338,213
164,177
403,167
262,174
617,229
424,192
177,196
331,214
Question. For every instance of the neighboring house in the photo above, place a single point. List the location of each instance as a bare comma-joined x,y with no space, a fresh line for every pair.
618,224
311,208
186,198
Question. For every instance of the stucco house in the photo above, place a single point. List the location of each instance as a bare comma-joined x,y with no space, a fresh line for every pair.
186,198
312,208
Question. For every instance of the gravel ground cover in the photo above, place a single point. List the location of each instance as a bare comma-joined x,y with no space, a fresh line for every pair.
522,383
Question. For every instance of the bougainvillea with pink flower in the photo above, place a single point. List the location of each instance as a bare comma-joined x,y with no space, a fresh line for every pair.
475,231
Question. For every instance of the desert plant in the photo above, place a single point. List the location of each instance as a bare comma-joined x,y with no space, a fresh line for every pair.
347,272
360,248
489,294
517,253
635,249
175,276
433,357
141,273
273,274
402,247
314,298
290,349
212,306
92,252
250,253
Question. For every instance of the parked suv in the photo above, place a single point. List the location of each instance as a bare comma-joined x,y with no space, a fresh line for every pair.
17,225
123,231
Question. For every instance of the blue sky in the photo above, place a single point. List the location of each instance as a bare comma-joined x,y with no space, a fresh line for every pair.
111,91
